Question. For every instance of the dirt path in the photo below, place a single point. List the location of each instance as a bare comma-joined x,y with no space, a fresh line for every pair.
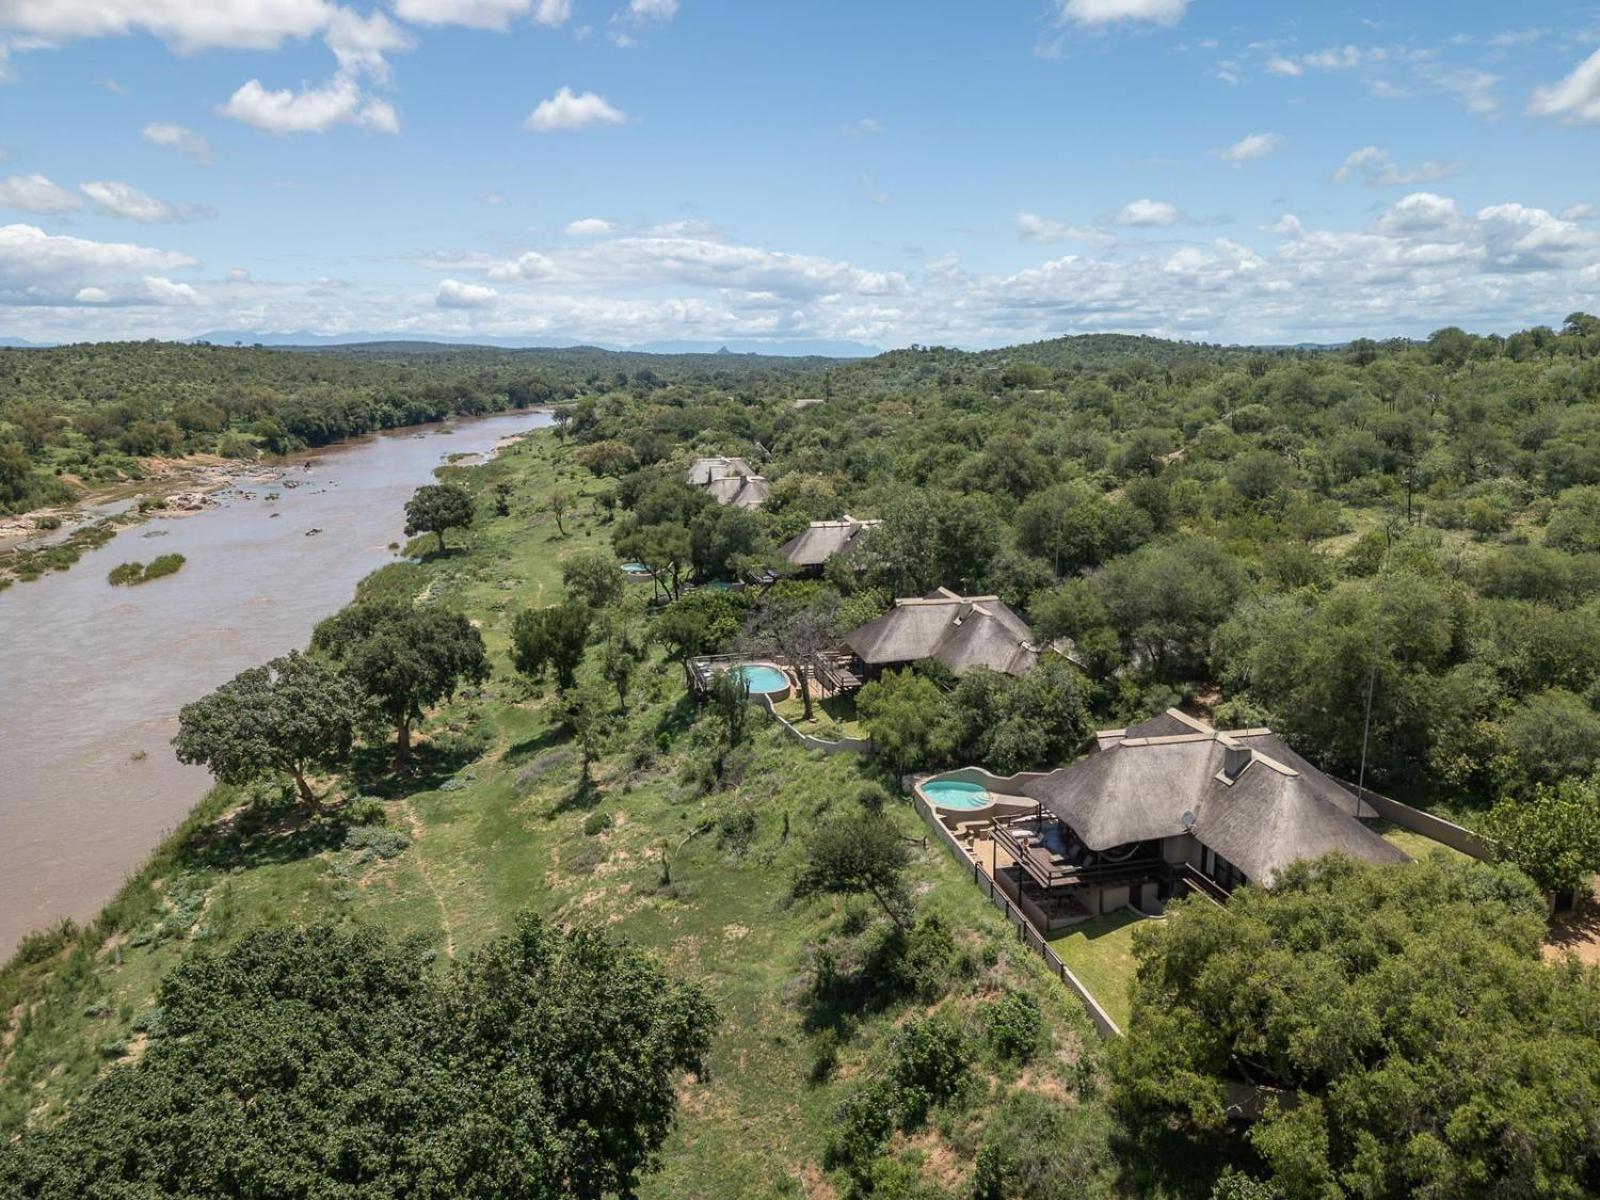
416,829
1577,932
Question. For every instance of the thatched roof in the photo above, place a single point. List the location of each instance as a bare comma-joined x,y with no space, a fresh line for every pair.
1254,801
749,491
961,632
823,539
705,470
729,481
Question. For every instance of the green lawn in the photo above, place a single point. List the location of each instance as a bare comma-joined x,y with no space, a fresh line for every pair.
831,719
1415,844
1100,953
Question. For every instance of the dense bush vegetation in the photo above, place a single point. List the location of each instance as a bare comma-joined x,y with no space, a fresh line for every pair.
325,1063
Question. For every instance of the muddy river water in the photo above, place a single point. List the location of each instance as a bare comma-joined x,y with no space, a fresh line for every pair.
92,676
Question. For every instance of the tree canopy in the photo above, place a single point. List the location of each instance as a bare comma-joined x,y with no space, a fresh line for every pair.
329,1062
1412,1038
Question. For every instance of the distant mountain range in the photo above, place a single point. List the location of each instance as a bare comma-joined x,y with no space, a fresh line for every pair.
815,348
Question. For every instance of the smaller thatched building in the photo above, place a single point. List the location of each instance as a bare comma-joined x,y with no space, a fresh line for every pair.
822,540
731,481
962,632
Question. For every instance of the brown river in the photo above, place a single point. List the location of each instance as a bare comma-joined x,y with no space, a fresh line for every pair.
92,676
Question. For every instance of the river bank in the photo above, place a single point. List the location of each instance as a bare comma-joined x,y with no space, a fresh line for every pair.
95,675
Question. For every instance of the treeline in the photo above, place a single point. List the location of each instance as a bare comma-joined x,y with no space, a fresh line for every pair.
89,413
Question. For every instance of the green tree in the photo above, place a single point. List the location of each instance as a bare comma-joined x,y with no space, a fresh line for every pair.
593,577
296,715
559,503
796,621
437,507
622,651
904,713
553,638
1409,1012
1552,836
703,622
331,1061
858,855
405,658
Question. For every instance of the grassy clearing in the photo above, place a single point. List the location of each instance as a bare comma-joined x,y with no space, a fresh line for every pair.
831,719
490,821
1415,844
1100,953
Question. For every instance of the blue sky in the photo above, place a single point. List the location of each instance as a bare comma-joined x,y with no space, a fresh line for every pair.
646,172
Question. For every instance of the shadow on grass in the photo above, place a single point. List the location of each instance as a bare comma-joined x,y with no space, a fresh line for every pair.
261,835
884,967
374,772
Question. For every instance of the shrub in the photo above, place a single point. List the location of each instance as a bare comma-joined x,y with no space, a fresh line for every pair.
930,1067
596,823
872,797
1014,1026
824,1056
376,840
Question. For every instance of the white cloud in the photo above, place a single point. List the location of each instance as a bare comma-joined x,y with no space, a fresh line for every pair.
565,110
1095,13
177,137
1420,212
1581,212
188,25
476,14
589,227
41,268
1043,230
452,293
91,295
1145,213
1250,148
124,200
1284,66
310,110
1575,99
1472,87
652,10
525,268
36,194
1374,165
360,42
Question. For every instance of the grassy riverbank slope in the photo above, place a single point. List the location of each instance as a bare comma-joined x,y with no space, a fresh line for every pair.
491,821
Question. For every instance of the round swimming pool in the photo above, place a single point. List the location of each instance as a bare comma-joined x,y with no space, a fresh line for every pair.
764,680
956,794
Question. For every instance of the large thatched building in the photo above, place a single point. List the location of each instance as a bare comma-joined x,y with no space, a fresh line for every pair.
731,481
1173,805
962,632
821,540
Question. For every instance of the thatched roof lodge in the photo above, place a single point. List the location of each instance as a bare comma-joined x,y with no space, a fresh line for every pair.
821,540
731,481
1168,806
962,632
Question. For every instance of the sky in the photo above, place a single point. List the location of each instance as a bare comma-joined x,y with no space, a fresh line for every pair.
783,175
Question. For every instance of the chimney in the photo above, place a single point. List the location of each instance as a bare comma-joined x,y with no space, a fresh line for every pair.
1235,758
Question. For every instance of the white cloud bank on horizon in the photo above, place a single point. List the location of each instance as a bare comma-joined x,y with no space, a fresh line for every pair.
1420,263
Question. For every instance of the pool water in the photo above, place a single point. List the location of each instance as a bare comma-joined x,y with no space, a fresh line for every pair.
955,794
763,680
632,568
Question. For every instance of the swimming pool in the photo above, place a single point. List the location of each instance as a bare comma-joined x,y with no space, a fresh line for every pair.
632,568
764,680
956,794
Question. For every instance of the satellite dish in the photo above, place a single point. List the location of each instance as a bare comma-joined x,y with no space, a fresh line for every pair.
1188,819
